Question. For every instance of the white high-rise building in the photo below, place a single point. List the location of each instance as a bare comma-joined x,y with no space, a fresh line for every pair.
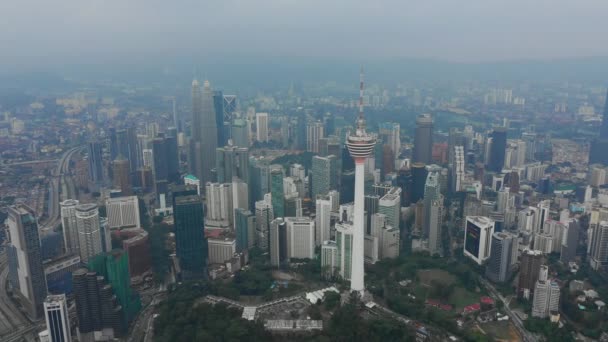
435,225
221,249
598,242
544,208
123,212
219,211
261,124
70,229
458,172
57,318
323,220
360,145
526,219
314,132
89,231
300,237
390,205
546,295
477,238
148,158
390,242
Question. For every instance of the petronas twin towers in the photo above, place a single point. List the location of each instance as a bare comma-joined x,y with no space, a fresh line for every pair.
203,143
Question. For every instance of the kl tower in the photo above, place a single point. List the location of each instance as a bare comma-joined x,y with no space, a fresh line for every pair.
360,145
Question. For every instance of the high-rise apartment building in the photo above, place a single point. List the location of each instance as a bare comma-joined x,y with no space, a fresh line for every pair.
69,225
330,261
26,273
529,268
57,318
314,133
478,238
190,242
89,231
97,308
546,295
423,139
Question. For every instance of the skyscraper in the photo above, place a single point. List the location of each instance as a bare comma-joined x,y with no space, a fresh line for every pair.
232,161
222,127
204,132
457,169
240,133
324,175
190,242
599,146
344,244
598,250
423,139
496,159
314,132
276,189
261,124
419,175
361,146
26,272
431,194
123,212
89,231
57,318
122,175
70,227
390,134
569,242
219,210
390,205
114,267
503,256
529,268
97,307
546,295
300,237
95,162
245,228
435,222
263,216
278,242
322,220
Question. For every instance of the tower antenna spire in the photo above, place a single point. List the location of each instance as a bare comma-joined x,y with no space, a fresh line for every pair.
361,120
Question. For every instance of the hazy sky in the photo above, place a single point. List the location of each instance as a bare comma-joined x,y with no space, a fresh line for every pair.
40,32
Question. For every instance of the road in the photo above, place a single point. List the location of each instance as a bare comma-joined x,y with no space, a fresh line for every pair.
527,336
62,187
13,324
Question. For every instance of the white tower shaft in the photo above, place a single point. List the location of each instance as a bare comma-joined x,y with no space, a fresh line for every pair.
357,275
